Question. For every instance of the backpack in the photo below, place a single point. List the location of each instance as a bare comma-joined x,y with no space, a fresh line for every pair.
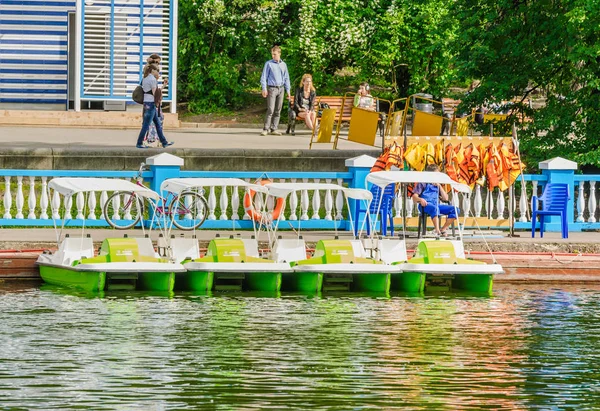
138,94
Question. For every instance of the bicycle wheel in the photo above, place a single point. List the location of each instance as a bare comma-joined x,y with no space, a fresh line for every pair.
123,210
188,211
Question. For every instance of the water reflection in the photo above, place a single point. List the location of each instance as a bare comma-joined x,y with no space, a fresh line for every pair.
525,347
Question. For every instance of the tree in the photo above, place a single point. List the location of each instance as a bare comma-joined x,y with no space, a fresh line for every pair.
520,47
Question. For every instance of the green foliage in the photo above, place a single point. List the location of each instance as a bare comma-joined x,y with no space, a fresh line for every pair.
518,48
224,44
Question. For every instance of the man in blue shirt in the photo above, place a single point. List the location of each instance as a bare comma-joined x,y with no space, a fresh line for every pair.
274,80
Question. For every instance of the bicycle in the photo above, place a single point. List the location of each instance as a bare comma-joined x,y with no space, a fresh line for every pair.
124,209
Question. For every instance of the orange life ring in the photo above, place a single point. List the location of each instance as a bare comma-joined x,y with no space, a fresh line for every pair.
257,215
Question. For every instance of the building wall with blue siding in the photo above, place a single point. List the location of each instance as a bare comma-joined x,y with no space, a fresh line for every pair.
33,51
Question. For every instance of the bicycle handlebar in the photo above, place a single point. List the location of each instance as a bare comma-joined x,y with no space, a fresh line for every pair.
140,171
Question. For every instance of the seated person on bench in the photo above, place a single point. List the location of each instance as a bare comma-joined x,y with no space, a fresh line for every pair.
428,197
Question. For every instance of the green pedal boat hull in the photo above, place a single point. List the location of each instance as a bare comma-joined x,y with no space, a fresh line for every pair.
372,282
476,283
64,277
254,281
408,282
194,281
302,282
156,281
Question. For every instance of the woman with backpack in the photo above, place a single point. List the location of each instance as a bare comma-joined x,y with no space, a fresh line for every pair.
150,87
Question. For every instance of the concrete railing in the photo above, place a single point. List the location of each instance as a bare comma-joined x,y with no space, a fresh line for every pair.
27,202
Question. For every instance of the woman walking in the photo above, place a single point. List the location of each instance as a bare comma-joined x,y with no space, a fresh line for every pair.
150,86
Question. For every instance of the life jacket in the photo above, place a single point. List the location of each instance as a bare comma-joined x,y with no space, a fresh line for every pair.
451,163
415,157
396,157
381,162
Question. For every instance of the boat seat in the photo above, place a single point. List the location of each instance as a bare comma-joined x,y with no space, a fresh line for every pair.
146,248
289,250
459,248
184,248
358,248
392,251
251,246
75,248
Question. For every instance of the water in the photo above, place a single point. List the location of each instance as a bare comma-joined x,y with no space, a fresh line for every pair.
523,348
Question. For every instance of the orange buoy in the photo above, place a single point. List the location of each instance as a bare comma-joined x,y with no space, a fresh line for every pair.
255,214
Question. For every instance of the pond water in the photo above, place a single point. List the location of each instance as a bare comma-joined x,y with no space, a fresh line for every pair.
523,348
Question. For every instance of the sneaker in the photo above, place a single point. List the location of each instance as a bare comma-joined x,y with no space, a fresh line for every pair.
275,133
168,143
264,133
141,146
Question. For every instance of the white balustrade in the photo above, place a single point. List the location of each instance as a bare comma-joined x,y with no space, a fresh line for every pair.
44,199
32,201
282,214
339,201
55,205
212,204
523,204
328,202
501,205
293,204
592,203
224,203
477,201
20,199
580,204
316,202
304,203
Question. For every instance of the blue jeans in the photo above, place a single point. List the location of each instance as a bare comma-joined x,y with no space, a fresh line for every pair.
151,114
441,209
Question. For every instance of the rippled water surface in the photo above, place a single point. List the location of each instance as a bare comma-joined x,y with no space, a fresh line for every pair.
522,348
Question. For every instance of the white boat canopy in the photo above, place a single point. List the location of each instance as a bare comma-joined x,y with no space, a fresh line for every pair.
383,178
177,185
284,189
69,186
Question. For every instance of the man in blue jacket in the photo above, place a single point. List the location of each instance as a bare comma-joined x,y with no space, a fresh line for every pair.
274,81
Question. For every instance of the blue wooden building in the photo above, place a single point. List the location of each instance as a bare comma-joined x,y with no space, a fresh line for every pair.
61,54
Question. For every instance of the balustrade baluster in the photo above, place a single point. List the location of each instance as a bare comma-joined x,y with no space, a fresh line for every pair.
212,204
477,201
116,204
20,199
580,202
235,203
68,205
398,197
103,198
410,207
55,205
316,202
92,205
285,205
44,199
339,201
592,203
304,203
224,203
328,202
489,206
501,205
466,205
32,200
293,204
80,202
524,203
128,203
245,216
534,189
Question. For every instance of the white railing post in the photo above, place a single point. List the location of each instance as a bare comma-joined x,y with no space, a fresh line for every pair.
592,203
523,203
581,202
339,202
44,199
304,203
235,203
316,202
32,200
55,205
293,204
212,204
477,203
20,199
80,203
92,205
328,202
282,214
224,203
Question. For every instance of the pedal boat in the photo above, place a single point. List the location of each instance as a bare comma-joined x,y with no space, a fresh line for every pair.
441,261
122,263
335,264
228,266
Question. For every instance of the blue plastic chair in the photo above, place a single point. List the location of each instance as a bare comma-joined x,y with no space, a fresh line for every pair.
386,211
554,202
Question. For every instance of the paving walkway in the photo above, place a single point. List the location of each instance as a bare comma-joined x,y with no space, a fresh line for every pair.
185,138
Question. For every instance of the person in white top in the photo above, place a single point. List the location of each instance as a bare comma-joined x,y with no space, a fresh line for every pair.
150,85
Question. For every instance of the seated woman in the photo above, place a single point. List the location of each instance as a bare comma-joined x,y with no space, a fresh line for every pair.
304,101
362,98
428,197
